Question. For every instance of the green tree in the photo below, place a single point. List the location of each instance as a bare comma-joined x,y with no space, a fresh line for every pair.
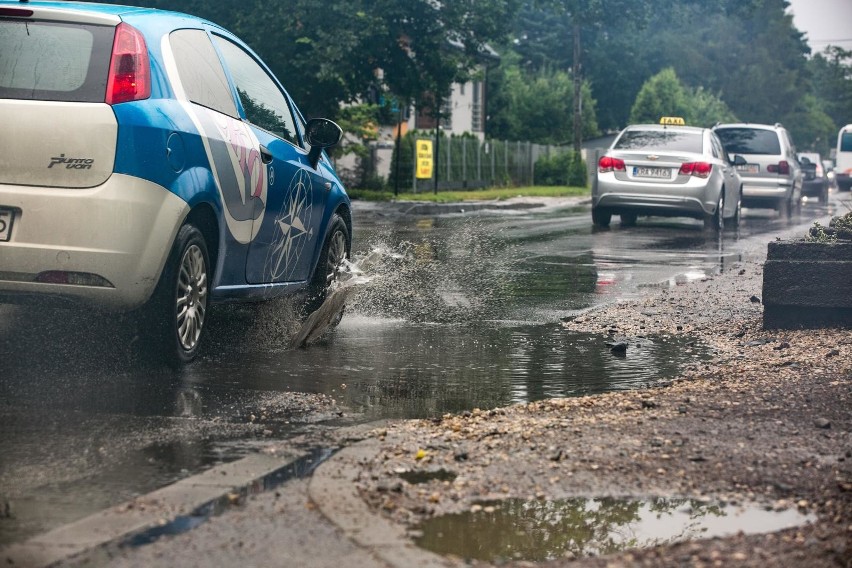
809,125
832,82
661,95
334,52
706,109
587,14
537,106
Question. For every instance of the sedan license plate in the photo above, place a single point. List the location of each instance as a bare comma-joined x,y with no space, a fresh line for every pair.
6,218
748,168
663,173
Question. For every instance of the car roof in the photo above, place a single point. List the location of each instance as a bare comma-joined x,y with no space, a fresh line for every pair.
110,9
105,10
666,127
749,125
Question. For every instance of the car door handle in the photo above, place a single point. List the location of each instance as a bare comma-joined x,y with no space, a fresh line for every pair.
265,155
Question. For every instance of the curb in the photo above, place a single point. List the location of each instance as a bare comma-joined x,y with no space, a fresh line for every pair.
333,489
170,509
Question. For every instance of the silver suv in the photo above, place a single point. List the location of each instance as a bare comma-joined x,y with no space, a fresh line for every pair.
772,175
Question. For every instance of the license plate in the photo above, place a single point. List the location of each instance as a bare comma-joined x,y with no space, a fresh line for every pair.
664,173
6,218
748,168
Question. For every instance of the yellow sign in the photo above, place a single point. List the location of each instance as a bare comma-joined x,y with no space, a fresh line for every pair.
424,159
674,120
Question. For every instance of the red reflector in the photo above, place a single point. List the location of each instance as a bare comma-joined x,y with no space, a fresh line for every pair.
53,277
15,12
129,70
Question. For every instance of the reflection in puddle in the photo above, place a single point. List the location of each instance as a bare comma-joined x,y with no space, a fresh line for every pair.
545,530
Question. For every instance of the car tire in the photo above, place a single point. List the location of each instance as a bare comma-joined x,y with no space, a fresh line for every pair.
738,214
601,217
716,222
785,208
174,318
628,219
334,251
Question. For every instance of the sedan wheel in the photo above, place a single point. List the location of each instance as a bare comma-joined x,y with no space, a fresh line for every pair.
334,252
716,221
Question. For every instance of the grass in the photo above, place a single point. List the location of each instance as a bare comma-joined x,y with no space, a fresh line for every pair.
497,193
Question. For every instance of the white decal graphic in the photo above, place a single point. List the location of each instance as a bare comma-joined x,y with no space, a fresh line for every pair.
292,230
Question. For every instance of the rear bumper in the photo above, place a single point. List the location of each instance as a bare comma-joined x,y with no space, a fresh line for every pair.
814,187
693,199
120,231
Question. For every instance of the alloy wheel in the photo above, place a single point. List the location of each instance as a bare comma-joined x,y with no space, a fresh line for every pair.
191,302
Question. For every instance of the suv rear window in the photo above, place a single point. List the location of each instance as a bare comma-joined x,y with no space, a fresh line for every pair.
749,141
660,140
54,62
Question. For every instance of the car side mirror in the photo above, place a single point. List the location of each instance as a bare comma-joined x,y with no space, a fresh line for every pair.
739,160
321,133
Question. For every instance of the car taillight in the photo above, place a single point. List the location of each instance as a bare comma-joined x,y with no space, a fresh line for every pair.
129,69
609,164
697,169
781,167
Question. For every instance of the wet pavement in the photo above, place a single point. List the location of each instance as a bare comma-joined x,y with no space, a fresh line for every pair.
462,313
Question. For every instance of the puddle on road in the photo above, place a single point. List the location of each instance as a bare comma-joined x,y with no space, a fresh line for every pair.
580,527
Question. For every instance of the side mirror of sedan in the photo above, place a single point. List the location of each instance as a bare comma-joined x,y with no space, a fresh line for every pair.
739,160
321,133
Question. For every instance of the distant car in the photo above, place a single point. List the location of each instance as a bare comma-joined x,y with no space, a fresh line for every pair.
772,177
828,168
815,183
667,170
152,161
843,159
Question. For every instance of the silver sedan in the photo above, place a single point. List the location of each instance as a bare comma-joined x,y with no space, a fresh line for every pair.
672,171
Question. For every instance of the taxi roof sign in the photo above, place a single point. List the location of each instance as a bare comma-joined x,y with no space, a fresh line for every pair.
673,120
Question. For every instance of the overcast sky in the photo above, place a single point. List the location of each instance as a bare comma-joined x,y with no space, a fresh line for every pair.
825,22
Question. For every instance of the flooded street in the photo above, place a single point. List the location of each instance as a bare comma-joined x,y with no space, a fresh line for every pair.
461,311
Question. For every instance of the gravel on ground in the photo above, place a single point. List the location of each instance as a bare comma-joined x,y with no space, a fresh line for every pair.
768,420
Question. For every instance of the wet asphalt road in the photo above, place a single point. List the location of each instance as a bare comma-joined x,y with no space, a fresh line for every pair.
462,312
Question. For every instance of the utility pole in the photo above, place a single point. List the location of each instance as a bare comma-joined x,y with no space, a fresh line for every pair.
399,153
578,122
436,169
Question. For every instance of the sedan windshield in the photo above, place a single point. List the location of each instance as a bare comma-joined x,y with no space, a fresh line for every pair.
660,140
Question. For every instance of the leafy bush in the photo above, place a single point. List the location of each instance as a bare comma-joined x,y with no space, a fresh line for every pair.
552,170
578,174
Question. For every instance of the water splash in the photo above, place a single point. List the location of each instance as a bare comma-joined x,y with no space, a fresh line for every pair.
456,276
350,276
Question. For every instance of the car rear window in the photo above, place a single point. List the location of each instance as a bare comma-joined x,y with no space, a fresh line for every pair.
749,141
54,61
660,140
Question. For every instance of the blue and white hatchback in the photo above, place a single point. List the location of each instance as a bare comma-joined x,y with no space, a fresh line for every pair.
151,161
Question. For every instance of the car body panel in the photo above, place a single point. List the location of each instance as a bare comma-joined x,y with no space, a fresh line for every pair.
843,159
814,181
675,194
121,231
174,155
762,187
